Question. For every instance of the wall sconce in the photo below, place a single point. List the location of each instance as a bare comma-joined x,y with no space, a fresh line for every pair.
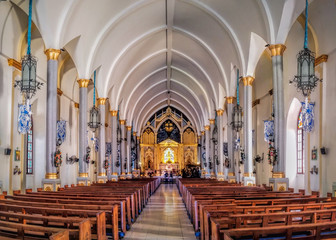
17,170
259,159
314,170
72,159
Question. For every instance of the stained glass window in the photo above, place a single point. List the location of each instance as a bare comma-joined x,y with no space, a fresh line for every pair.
30,150
300,149
169,156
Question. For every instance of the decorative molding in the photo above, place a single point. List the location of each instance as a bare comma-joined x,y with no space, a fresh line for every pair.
101,101
52,54
13,63
248,174
83,83
134,134
231,174
51,176
220,112
278,175
129,128
59,92
248,80
83,175
102,174
207,128
277,49
202,132
229,100
321,59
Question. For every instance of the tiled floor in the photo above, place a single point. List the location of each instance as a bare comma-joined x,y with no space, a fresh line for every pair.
164,217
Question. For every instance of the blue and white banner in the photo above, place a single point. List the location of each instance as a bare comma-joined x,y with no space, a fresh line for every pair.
308,116
24,119
61,130
268,130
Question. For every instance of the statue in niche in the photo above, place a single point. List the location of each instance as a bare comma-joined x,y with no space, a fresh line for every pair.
149,158
188,156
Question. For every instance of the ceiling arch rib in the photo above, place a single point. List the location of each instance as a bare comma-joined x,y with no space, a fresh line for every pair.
148,100
159,97
161,104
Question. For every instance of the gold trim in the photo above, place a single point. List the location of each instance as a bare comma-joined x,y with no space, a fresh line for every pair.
13,63
248,80
220,112
248,174
229,100
207,128
321,59
122,122
231,174
277,49
114,173
83,83
51,176
76,105
114,113
101,101
278,175
129,128
212,121
59,92
138,137
102,174
134,134
52,54
202,132
83,175
220,174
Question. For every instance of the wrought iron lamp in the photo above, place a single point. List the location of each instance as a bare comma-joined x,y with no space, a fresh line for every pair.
305,80
28,84
237,122
94,122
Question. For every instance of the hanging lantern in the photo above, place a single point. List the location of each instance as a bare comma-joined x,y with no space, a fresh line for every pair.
28,84
94,122
305,80
237,122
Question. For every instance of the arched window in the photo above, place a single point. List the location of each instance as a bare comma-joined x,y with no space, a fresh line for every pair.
30,150
300,144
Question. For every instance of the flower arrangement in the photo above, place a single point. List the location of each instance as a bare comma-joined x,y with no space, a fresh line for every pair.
106,164
58,158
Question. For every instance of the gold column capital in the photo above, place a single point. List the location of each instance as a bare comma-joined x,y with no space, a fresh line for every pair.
229,100
122,122
248,80
129,128
114,113
83,175
277,49
76,105
51,176
207,128
101,101
202,132
198,137
134,134
220,112
212,121
321,59
83,83
52,54
278,175
138,137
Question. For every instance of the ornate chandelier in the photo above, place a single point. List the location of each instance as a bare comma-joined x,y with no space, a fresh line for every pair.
237,122
28,84
305,80
169,126
94,122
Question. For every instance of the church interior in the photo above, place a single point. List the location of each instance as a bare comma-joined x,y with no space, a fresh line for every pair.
167,119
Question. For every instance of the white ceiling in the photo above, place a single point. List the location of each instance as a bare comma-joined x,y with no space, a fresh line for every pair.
148,51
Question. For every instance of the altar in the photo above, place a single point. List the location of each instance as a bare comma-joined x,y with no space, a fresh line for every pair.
169,167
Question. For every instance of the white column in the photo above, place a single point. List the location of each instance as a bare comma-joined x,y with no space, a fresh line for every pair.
220,168
123,149
248,165
102,151
52,76
129,147
212,148
207,151
230,137
113,168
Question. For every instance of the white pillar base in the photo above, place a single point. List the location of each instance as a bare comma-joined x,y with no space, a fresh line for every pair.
122,176
231,178
279,184
207,176
83,181
101,179
249,181
51,185
129,176
220,177
114,177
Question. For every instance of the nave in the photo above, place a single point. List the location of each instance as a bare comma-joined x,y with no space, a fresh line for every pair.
164,217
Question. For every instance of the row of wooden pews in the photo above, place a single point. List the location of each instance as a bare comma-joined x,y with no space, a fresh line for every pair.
222,210
98,211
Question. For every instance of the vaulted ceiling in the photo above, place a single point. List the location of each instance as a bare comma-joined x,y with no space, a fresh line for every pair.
151,53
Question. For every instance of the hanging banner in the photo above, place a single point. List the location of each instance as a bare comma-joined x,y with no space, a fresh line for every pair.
108,148
24,120
308,116
61,130
268,130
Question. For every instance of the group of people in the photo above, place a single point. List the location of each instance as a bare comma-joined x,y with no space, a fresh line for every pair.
191,172
168,177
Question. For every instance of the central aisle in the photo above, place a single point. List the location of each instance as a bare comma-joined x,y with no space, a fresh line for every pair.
164,217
